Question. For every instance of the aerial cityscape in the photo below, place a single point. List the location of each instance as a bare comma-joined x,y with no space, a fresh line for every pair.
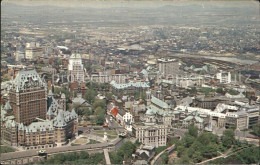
130,82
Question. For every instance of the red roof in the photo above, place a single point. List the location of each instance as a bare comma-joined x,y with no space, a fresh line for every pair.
114,111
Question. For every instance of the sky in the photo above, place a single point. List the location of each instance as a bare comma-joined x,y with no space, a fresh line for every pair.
111,3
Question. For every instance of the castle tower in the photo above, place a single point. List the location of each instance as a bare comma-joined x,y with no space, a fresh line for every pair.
148,97
28,97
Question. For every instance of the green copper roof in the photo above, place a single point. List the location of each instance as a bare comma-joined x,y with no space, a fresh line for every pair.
27,79
159,103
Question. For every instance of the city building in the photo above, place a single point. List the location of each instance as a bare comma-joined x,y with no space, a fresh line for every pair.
76,69
31,119
33,51
28,97
118,78
224,77
169,68
131,87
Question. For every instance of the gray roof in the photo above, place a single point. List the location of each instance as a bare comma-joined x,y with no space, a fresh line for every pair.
26,79
78,100
59,120
121,112
130,84
7,106
50,112
39,126
159,103
73,113
63,96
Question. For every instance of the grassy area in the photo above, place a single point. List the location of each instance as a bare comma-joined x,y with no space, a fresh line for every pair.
5,149
75,158
91,141
160,149
206,90
73,144
82,140
111,134
245,156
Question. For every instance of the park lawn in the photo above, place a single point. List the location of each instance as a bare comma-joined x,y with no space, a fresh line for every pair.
91,141
206,90
73,144
6,149
111,134
82,140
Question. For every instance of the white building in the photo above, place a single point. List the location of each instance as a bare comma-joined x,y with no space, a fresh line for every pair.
118,78
224,77
76,69
19,56
125,119
33,51
169,68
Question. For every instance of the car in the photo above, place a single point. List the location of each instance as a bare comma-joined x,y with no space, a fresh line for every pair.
80,132
84,125
105,125
122,135
42,152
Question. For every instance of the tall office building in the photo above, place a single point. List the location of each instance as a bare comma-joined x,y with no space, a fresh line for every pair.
33,51
76,69
28,97
168,67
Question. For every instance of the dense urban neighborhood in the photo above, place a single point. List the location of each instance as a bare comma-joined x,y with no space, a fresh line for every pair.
86,87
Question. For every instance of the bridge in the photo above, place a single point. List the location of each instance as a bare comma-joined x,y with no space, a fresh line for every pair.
24,157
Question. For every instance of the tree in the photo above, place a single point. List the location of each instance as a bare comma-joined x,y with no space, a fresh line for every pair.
99,103
99,111
83,155
193,90
90,95
180,150
256,129
205,138
188,140
220,90
100,119
210,151
165,158
86,112
228,138
196,157
184,160
193,131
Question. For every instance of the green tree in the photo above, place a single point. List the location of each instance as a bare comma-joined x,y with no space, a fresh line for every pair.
100,119
197,157
84,155
90,95
184,160
99,103
181,150
188,140
86,112
220,90
228,138
210,151
193,131
256,129
99,111
165,158
205,138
